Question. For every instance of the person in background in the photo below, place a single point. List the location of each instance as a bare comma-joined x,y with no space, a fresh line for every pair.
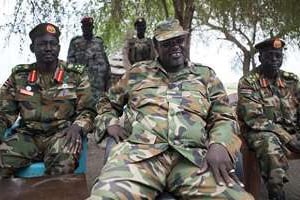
138,48
180,134
88,50
55,105
268,109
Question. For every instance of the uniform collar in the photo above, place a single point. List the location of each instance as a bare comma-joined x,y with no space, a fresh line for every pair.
264,82
189,66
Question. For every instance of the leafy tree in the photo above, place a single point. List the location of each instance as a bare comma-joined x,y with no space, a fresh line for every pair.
240,22
245,22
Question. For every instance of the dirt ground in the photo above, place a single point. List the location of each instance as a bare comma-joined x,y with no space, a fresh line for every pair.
95,162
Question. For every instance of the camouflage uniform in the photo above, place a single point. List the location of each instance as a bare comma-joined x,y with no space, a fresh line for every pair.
173,117
269,115
46,108
136,50
92,54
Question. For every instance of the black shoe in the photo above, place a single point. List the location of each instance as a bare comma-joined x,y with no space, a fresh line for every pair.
279,195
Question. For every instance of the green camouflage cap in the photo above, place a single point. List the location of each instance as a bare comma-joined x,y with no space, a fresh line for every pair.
168,29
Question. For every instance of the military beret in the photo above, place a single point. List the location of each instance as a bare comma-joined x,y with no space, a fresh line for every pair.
87,20
140,20
44,28
167,29
271,43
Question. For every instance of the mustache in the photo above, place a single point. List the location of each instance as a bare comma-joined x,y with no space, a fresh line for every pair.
179,50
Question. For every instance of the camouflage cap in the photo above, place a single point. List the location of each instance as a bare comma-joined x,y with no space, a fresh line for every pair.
87,20
271,43
42,29
167,29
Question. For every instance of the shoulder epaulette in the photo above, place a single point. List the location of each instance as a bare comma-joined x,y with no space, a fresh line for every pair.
251,76
76,37
290,76
200,68
77,68
21,68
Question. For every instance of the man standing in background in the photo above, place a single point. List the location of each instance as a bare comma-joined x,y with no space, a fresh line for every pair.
138,48
89,50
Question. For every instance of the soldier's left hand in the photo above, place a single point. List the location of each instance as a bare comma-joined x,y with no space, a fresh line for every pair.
73,139
221,165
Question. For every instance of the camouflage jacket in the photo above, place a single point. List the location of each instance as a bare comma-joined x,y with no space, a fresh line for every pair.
136,50
92,54
263,106
45,105
187,110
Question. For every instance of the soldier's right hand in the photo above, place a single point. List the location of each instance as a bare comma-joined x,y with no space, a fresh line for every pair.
294,144
117,132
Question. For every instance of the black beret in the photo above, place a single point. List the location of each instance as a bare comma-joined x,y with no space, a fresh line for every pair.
44,28
87,20
271,43
140,20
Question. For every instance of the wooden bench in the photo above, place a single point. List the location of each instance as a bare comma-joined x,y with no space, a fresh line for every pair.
62,187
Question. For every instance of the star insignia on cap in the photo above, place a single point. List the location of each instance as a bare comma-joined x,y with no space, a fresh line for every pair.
51,29
277,43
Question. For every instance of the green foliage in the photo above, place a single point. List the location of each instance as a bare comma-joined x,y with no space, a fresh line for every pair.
115,19
246,22
242,22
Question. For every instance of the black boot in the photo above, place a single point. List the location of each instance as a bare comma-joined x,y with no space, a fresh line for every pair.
277,195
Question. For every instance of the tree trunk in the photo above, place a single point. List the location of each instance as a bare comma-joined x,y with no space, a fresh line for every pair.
184,11
246,62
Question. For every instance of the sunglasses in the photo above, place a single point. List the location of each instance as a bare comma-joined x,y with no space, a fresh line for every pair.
172,42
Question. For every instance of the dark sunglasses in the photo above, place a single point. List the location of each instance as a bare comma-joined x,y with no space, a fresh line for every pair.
172,42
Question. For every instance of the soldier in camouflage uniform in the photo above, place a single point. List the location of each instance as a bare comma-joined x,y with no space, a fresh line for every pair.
56,108
181,130
268,108
138,48
89,50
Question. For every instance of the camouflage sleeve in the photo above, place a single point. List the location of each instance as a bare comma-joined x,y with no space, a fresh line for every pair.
250,111
71,53
221,122
125,52
8,105
110,107
85,104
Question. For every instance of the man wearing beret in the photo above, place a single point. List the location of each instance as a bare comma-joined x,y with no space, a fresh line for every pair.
89,50
55,106
268,109
181,130
138,48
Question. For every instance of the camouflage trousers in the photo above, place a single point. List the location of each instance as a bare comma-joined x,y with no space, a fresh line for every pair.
99,79
270,153
121,178
20,150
